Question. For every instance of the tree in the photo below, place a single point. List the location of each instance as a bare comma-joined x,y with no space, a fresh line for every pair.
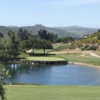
64,39
43,34
1,45
13,43
2,92
44,44
23,35
3,75
98,30
36,43
1,36
24,45
5,56
52,37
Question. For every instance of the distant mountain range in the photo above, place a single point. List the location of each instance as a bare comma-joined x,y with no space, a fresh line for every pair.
80,31
73,31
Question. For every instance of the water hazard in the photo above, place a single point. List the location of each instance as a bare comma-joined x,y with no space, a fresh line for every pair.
54,74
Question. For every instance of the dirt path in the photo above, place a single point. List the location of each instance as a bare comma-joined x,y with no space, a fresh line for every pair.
93,54
83,53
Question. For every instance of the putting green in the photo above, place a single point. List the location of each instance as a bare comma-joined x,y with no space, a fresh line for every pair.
45,58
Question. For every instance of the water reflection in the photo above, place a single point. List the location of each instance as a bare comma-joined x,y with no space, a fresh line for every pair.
53,74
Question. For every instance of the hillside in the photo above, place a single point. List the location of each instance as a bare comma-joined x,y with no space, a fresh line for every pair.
89,42
79,30
4,30
34,30
73,31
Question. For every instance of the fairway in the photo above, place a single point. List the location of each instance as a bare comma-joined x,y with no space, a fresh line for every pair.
45,58
81,59
32,92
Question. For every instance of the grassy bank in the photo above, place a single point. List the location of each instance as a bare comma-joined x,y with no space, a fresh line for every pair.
70,57
81,59
31,92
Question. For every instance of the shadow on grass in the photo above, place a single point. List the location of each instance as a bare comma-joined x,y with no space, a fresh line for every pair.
40,54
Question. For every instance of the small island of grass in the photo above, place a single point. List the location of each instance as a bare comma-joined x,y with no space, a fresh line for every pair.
45,58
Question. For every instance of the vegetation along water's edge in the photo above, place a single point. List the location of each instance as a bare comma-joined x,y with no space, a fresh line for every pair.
83,64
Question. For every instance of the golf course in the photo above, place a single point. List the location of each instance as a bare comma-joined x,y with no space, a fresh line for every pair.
36,92
46,66
41,92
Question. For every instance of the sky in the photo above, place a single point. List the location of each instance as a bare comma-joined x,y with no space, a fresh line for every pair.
51,13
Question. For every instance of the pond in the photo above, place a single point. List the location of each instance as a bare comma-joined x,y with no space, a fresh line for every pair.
54,74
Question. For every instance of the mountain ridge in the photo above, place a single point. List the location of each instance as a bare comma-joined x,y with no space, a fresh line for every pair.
73,31
79,30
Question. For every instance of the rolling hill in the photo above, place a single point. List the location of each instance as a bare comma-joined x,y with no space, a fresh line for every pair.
34,30
79,30
73,31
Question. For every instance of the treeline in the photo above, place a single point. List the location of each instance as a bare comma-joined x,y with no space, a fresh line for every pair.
22,41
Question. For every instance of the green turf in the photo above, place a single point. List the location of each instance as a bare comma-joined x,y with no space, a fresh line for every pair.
82,59
69,57
23,55
31,92
44,58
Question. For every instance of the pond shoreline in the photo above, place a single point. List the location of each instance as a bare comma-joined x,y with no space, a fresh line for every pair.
53,74
46,62
83,64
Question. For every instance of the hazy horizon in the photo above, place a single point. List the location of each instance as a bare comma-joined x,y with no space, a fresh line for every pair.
53,13
48,26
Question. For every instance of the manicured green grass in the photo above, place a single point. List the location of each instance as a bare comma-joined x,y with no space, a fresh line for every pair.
44,58
31,92
82,59
74,57
23,55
